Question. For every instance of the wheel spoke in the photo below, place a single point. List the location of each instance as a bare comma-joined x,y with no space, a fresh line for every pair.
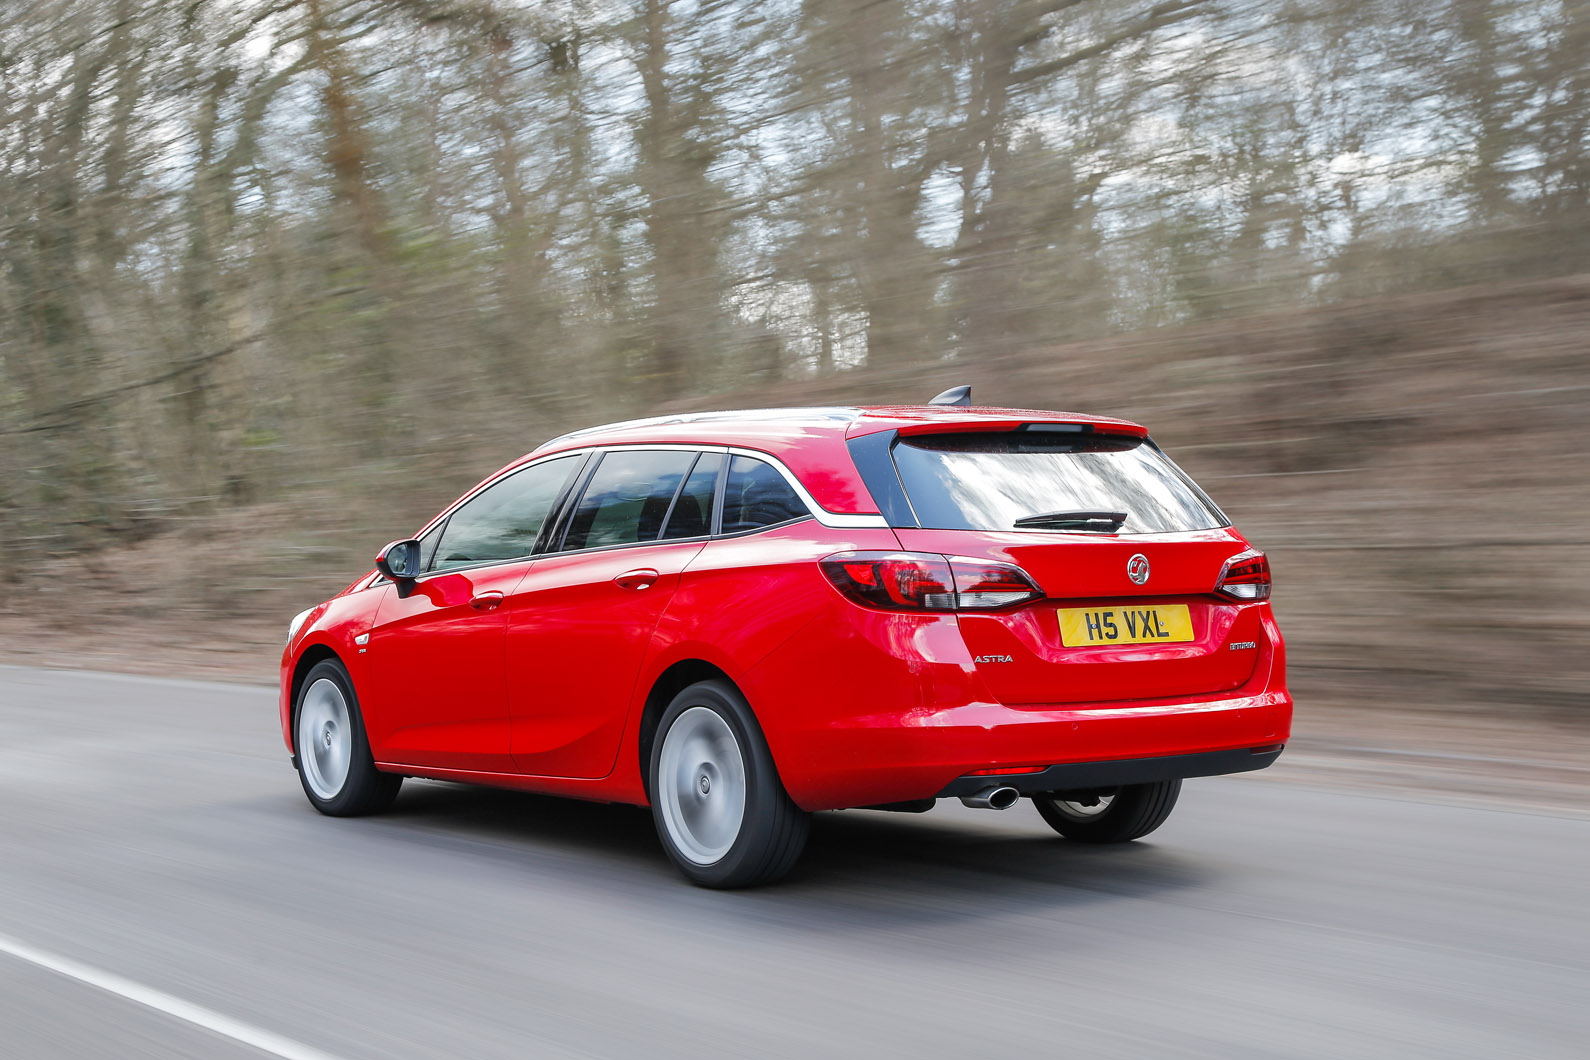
1084,809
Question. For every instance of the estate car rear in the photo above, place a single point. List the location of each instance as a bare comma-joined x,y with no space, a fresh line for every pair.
741,618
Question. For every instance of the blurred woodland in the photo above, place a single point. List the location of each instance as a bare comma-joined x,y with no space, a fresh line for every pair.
279,278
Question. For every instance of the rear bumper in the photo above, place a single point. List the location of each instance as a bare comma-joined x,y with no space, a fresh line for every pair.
1078,776
896,711
885,758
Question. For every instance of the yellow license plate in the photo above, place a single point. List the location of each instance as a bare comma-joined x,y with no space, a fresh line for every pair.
1081,627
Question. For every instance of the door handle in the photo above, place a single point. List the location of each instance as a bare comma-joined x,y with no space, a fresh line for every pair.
643,578
486,601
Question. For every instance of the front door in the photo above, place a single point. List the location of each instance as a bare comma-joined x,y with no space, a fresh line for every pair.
437,692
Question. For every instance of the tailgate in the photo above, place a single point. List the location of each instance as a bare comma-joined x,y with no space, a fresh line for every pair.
1169,636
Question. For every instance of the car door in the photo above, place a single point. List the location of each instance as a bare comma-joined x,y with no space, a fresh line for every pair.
437,693
581,620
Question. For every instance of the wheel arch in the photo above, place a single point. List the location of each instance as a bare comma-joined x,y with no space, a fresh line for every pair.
675,679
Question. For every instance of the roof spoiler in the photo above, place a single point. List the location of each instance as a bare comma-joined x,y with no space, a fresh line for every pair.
955,395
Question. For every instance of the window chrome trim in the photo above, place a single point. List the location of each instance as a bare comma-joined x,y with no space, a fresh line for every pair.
595,458
699,539
484,486
735,535
447,513
832,520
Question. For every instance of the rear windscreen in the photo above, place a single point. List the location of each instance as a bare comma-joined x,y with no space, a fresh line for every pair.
990,481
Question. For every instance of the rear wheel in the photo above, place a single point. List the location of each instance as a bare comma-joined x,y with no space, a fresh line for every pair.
720,809
1109,815
334,762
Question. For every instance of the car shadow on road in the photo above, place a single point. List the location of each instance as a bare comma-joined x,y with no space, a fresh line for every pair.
521,821
950,864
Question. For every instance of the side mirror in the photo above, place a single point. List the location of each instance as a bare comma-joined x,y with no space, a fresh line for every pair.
400,560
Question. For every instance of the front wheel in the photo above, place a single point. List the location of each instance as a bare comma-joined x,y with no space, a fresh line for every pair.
720,809
334,761
1109,815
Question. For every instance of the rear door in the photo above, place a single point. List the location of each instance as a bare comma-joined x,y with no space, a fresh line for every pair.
582,619
1123,545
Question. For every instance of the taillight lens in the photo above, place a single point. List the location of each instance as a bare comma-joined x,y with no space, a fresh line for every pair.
983,586
895,581
1246,576
917,581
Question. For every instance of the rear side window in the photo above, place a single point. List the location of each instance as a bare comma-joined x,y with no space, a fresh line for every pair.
756,495
990,481
503,520
627,498
692,512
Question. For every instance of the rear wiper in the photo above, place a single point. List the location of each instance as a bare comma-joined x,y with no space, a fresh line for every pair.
1072,520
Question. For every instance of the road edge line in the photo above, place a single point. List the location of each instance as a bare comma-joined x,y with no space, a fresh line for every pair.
160,1001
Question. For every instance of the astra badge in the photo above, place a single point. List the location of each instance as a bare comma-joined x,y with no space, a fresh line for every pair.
1137,569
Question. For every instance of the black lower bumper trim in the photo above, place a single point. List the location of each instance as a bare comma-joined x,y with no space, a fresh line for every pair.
1080,776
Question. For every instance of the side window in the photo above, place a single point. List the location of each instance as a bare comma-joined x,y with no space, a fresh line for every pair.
503,520
692,514
756,495
627,498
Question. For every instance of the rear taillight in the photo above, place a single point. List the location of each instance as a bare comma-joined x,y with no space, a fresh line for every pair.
897,581
917,581
983,586
1246,576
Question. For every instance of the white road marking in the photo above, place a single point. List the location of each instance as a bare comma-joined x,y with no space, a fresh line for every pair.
261,1039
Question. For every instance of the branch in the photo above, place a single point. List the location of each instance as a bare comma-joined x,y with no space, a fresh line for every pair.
1162,15
41,422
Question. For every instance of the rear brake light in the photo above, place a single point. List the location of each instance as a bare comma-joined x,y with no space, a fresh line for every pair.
983,586
916,581
1246,576
896,581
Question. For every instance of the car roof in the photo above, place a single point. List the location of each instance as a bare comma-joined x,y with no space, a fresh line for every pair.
796,425
811,441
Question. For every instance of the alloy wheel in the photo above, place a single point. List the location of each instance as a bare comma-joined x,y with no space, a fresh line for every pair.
325,738
1085,808
701,785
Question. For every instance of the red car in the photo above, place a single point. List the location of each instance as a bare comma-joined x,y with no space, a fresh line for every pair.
739,618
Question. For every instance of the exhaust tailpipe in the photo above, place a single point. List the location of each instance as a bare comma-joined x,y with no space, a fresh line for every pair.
992,799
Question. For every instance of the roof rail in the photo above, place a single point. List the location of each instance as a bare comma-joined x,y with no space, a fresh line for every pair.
955,395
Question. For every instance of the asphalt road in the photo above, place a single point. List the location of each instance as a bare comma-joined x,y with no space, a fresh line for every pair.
166,891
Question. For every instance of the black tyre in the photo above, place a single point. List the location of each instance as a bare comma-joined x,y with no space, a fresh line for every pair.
333,755
721,812
1116,815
